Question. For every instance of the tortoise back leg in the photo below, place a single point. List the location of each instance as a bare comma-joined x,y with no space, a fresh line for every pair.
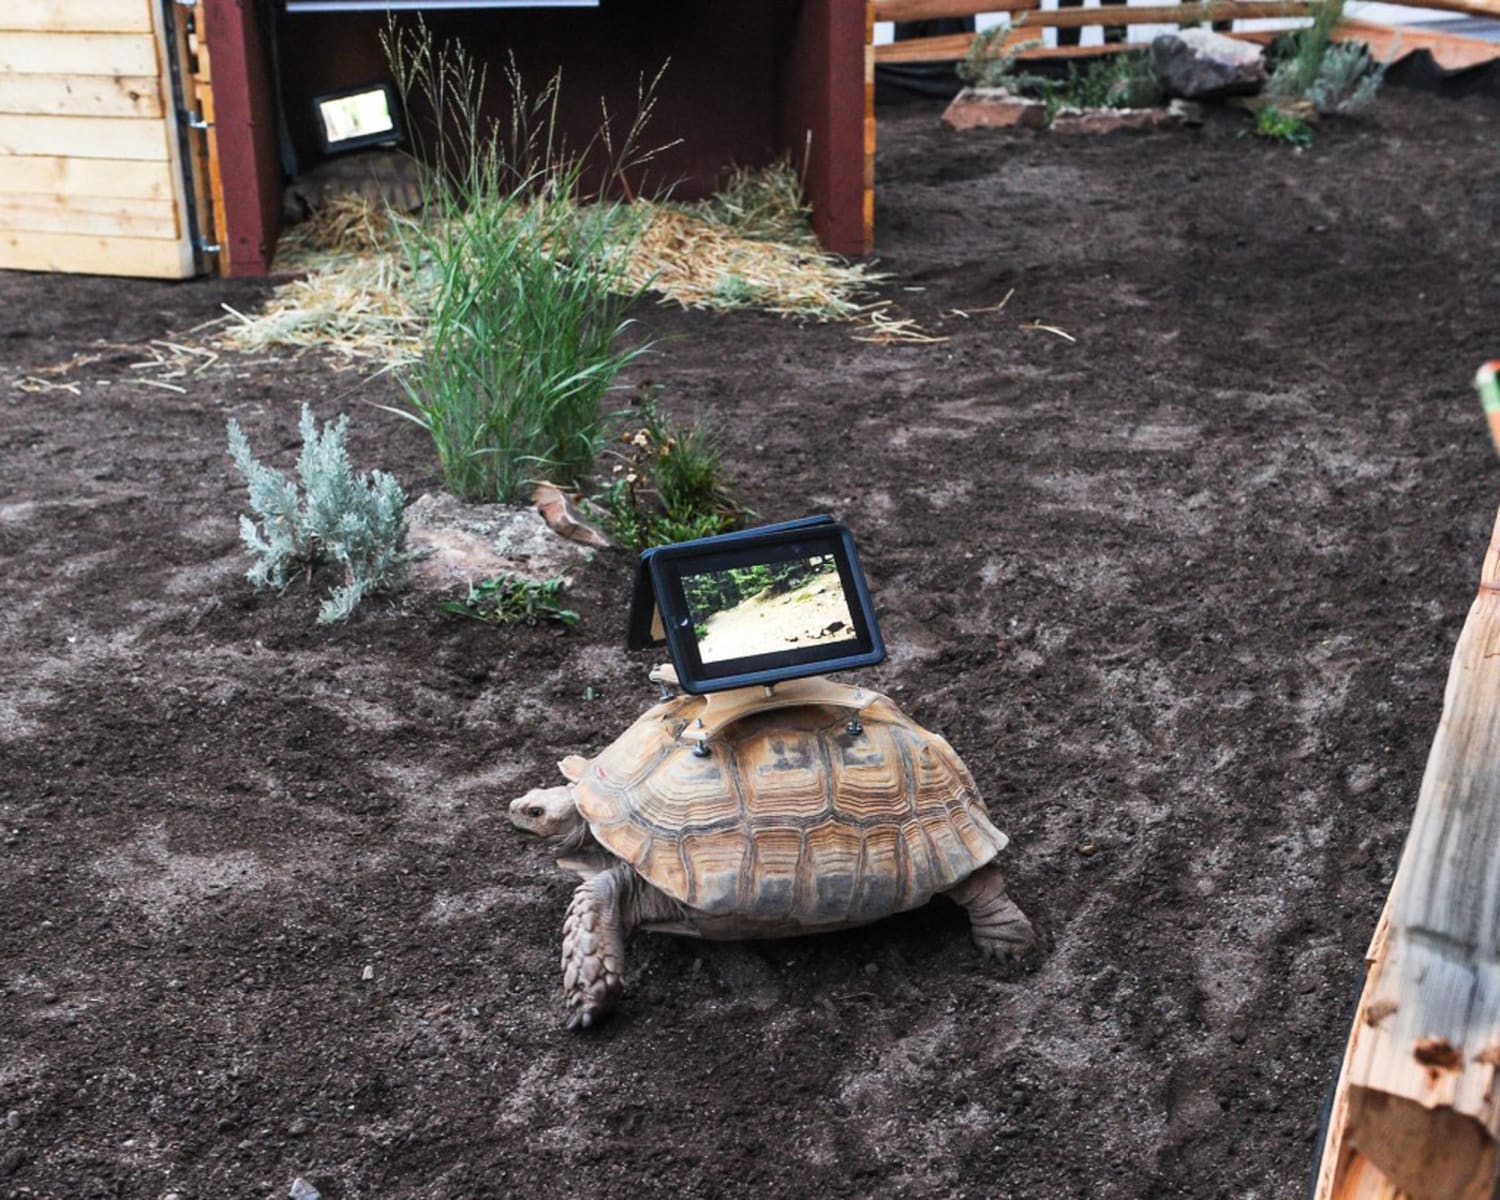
604,911
1001,930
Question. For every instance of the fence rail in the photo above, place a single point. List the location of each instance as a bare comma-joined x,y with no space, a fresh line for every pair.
1028,19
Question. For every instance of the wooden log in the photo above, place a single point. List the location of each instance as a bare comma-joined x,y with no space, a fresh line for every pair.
924,10
76,16
81,95
1417,1101
920,10
83,137
1027,27
78,54
136,180
1166,14
1449,50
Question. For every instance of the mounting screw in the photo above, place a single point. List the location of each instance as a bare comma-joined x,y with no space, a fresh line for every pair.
854,728
701,750
666,692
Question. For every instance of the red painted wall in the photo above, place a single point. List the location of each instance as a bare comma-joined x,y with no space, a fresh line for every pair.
820,117
245,127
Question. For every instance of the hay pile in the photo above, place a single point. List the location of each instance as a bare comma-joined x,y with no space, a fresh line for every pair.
750,246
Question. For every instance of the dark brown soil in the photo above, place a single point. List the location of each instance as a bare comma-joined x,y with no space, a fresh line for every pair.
1182,591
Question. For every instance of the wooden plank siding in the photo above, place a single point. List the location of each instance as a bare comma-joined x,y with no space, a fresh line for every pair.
77,16
89,174
63,95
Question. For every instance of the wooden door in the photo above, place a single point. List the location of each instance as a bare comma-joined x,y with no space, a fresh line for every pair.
101,170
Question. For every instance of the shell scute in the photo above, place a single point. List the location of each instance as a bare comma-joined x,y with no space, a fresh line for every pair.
774,869
718,863
828,892
881,871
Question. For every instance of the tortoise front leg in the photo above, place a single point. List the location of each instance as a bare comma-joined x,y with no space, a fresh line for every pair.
605,910
599,919
1001,930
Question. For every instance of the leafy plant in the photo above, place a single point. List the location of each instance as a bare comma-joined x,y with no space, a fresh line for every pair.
1335,77
1119,81
509,599
1348,80
1279,125
328,514
667,486
991,63
529,280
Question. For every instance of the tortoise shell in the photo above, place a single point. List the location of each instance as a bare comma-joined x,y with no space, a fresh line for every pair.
790,818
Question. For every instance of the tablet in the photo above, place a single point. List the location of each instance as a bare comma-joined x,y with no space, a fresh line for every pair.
755,607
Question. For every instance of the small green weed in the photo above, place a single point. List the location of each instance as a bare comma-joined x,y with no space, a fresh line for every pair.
1276,125
667,486
512,599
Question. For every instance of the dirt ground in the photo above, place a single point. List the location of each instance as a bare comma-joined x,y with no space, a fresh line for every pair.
1216,548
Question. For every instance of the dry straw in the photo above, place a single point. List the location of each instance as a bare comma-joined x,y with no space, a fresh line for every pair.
749,247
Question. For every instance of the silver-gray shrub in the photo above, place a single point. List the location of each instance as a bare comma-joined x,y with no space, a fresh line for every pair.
1347,80
329,514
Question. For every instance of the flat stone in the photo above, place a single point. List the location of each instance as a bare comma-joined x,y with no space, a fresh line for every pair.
466,543
994,108
1109,120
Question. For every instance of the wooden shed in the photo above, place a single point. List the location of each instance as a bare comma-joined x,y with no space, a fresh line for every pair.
101,170
154,137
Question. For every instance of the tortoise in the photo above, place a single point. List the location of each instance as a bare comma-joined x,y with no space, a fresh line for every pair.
793,822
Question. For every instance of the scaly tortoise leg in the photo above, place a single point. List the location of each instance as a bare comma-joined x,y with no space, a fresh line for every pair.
605,910
593,950
1001,930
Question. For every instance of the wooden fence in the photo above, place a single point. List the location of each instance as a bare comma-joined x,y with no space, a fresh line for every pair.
1029,19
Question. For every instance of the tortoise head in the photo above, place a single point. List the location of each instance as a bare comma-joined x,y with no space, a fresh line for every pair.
547,812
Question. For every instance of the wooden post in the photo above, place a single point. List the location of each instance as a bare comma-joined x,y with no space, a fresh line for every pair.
1416,1113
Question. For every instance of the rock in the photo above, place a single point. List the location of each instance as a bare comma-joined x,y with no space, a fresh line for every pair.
1108,120
1362,778
13,1119
296,1127
994,108
302,1190
1189,112
1199,64
467,543
368,973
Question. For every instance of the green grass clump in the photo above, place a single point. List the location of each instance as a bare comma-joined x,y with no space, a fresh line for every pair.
512,599
668,485
528,280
